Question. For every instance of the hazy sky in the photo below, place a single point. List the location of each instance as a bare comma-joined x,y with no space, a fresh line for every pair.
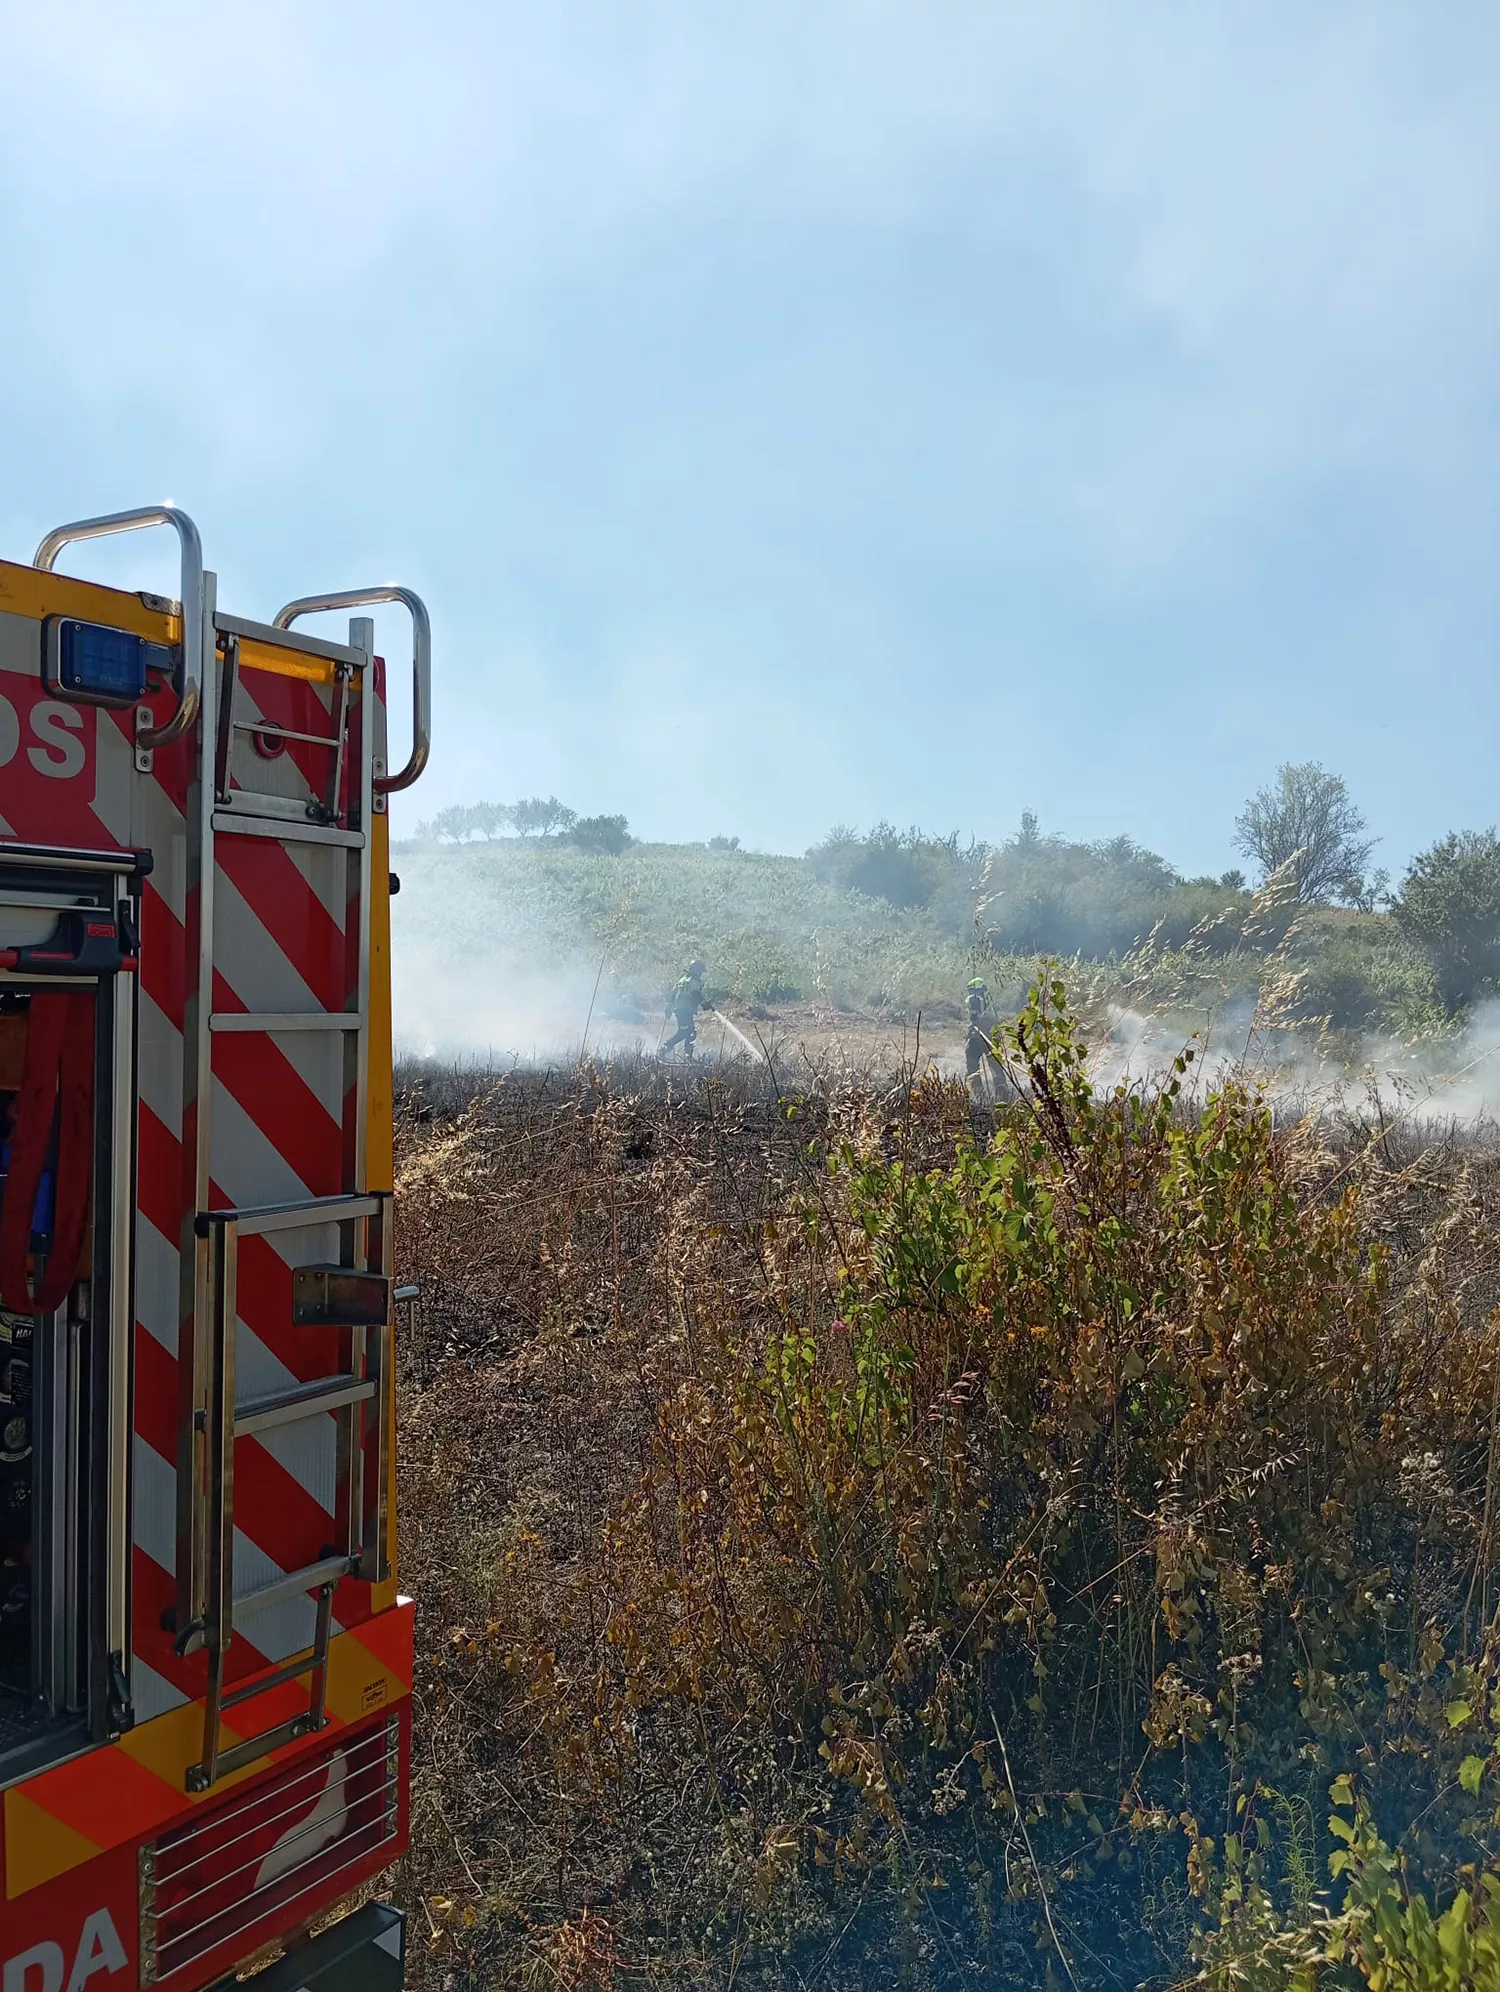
809,411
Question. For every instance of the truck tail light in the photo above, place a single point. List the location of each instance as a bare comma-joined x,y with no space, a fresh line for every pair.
258,1856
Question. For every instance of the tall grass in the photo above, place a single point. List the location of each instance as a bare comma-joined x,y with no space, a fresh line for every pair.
853,1552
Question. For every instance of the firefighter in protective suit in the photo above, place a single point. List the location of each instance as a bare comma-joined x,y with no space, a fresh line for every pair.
980,1061
684,1003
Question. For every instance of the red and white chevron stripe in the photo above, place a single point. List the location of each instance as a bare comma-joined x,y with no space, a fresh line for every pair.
284,939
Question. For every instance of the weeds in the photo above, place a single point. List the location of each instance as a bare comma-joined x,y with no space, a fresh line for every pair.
851,1552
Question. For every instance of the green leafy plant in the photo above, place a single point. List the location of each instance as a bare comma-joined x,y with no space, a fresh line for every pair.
609,835
1010,1530
1374,1928
1449,906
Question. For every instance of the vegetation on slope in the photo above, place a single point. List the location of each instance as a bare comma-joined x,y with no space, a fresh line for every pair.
770,931
897,919
854,1556
777,929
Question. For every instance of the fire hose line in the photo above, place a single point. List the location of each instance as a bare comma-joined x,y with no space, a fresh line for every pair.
57,1081
755,1051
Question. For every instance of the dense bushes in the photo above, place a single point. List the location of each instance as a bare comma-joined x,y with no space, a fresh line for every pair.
1356,971
1023,1544
1449,907
1039,894
1036,893
1042,894
906,868
607,835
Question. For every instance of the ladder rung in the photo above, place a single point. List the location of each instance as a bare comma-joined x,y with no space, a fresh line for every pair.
269,730
285,1407
290,1670
286,830
217,1761
327,1572
251,1751
255,1219
285,639
285,1020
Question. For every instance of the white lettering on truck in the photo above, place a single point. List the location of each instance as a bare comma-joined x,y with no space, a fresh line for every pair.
40,1969
59,752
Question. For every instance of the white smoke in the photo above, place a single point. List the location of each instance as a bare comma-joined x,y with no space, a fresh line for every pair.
1455,1079
503,1009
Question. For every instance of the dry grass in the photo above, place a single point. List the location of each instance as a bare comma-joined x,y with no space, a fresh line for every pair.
568,1231
604,1257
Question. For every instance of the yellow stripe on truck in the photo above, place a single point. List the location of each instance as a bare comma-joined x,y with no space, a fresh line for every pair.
37,1846
271,657
127,1791
27,591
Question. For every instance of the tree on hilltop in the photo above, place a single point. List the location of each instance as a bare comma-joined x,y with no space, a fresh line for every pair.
542,816
910,868
462,820
1307,815
450,826
491,819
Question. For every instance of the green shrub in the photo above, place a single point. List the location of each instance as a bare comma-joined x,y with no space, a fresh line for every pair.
607,834
1449,907
1068,1499
1359,973
766,977
1379,1932
906,868
1042,894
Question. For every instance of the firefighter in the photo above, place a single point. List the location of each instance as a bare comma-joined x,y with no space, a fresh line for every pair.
979,1054
684,1003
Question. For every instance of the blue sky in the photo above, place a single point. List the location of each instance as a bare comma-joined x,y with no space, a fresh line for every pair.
804,412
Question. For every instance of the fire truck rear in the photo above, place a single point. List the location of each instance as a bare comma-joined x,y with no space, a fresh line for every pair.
205,1664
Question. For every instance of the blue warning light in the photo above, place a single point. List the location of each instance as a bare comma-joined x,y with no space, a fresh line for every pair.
96,662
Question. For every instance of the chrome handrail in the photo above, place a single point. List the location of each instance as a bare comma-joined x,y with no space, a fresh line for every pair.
190,690
421,666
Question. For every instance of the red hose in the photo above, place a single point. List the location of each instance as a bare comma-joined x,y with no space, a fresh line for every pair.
57,1086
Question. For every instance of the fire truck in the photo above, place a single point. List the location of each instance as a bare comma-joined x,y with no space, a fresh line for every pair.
205,1662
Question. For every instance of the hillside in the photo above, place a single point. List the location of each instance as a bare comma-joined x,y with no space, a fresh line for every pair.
525,929
513,947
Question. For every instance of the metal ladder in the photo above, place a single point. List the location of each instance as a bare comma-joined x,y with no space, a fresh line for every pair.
347,1295
354,1294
